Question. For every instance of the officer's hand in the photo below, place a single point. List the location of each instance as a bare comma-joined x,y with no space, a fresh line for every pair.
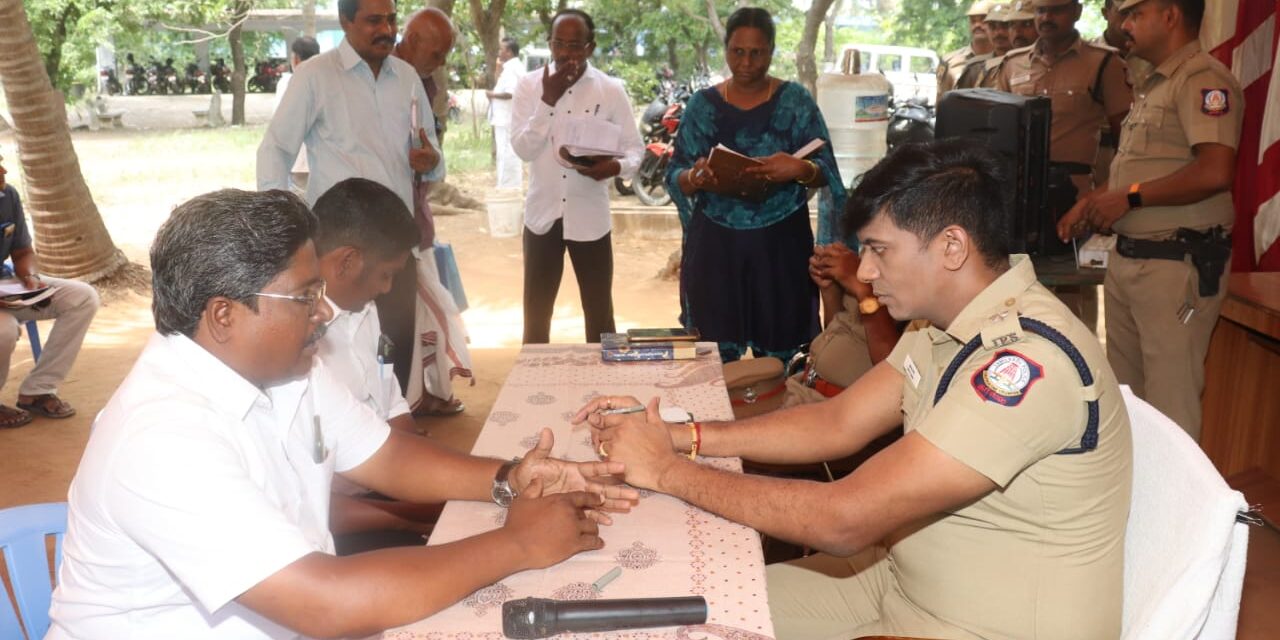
549,529
1107,208
841,264
816,271
602,170
643,442
425,158
1074,223
562,476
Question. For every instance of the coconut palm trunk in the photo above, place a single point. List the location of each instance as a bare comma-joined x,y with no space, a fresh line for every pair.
71,240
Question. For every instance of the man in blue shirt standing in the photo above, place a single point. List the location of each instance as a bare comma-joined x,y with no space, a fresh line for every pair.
72,306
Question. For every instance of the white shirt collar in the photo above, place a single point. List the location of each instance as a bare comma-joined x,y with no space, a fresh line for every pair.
211,377
350,59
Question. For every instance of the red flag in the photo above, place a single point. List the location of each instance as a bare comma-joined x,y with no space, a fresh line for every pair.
1251,52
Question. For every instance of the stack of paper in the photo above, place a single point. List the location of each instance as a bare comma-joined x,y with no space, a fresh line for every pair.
582,142
15,295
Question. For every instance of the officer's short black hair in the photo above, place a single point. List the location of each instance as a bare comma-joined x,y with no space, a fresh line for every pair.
363,214
583,15
927,187
1192,10
511,45
305,47
750,17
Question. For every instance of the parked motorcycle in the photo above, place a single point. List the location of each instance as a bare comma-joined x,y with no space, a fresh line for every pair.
660,123
196,80
135,78
221,75
267,76
912,121
108,83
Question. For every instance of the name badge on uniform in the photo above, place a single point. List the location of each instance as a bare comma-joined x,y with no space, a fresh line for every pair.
1007,378
913,372
1020,78
1215,102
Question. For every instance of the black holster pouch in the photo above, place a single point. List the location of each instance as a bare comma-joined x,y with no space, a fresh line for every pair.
1209,251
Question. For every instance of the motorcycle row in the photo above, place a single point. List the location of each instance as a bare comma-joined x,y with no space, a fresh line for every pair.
910,121
163,78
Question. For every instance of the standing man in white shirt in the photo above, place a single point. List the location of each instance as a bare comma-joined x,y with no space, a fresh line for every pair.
200,507
568,209
303,48
510,169
363,114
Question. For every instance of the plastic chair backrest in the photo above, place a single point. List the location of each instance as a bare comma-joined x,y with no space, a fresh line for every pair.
22,540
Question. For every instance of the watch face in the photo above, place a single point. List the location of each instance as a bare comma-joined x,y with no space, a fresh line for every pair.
503,495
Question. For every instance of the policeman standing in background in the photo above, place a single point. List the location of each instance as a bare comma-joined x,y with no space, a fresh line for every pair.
979,44
1169,200
997,23
1117,39
1022,33
1085,83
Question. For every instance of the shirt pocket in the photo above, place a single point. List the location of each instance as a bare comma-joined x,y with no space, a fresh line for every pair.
1161,135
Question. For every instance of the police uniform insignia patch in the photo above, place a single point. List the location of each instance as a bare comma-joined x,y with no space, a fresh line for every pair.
1215,102
1006,379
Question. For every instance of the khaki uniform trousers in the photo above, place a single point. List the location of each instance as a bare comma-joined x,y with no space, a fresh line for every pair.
1148,346
824,597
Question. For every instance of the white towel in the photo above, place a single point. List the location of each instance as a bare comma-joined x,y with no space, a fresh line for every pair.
440,352
1184,552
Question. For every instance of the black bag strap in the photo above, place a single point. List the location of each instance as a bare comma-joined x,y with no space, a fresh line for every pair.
1089,441
1096,90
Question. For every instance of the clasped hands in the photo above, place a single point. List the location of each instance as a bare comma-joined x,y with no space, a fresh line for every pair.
642,441
836,263
1097,211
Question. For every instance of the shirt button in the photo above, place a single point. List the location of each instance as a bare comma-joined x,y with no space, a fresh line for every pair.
1009,302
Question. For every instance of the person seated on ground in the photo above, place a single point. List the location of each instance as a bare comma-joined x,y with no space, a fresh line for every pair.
1002,511
200,508
363,236
71,306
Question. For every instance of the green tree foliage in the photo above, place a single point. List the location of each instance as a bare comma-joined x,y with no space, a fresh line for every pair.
940,25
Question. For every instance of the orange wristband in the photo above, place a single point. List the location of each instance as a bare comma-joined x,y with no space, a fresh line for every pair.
695,439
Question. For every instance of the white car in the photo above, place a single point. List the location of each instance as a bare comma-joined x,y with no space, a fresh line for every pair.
911,71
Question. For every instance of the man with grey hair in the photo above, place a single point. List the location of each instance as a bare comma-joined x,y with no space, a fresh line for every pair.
201,505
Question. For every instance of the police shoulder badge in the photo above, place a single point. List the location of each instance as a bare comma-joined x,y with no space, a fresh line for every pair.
1215,102
1006,379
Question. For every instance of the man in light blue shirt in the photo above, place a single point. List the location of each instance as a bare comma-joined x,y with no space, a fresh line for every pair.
361,112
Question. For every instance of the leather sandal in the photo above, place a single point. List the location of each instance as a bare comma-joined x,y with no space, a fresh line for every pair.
48,405
11,418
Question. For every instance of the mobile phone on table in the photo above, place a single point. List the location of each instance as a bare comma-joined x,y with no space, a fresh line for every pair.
672,334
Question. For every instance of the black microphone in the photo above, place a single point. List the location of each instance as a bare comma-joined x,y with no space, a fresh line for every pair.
540,617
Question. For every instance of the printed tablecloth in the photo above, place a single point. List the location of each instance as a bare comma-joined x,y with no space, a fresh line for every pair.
664,546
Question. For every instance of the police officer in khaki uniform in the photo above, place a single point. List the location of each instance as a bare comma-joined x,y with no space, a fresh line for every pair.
1001,512
1115,37
979,43
1085,83
997,23
1169,200
1021,29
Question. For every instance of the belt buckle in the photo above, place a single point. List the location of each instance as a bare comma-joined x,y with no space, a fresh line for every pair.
810,375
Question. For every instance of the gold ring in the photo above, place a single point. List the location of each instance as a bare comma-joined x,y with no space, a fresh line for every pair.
600,450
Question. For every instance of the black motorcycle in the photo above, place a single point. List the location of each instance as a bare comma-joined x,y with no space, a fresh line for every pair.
221,76
912,121
108,82
195,80
135,78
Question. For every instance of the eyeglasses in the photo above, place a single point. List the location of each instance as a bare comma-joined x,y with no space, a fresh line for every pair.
312,299
573,47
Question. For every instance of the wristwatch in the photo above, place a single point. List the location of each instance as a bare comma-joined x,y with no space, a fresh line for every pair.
1135,195
502,492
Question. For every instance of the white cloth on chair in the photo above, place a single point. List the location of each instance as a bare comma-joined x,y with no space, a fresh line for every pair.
1184,551
440,352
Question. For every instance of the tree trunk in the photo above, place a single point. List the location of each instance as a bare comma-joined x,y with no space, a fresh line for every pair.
805,67
444,5
238,72
309,18
488,23
545,16
71,240
716,25
829,33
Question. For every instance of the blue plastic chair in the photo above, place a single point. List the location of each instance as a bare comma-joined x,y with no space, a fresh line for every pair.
22,539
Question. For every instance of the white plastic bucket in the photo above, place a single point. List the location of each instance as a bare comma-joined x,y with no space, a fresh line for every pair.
506,212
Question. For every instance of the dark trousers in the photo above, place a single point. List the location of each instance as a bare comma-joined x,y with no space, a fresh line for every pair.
543,268
396,309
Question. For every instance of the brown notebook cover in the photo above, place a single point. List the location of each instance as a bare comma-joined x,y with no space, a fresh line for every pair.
728,166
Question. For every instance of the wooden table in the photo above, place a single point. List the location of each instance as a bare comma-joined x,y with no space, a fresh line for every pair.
1074,285
1241,432
664,546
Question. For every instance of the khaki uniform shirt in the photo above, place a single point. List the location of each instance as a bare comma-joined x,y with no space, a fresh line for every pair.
1190,99
971,74
1041,557
950,68
1068,81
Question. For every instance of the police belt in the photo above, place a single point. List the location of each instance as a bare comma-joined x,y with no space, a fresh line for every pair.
1209,251
818,383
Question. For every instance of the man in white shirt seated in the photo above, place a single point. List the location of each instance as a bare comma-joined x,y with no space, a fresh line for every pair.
200,508
363,237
